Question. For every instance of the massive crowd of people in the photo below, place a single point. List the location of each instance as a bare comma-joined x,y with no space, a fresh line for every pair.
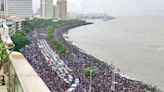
65,73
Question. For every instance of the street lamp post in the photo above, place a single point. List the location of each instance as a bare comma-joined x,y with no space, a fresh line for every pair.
90,85
113,77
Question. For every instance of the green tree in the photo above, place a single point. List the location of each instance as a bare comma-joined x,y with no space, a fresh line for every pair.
31,25
20,40
89,71
3,54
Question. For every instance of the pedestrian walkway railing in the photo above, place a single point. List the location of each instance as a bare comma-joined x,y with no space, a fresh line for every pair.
16,74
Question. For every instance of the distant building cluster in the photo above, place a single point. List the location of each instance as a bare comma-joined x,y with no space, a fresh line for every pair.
16,11
58,11
23,9
89,15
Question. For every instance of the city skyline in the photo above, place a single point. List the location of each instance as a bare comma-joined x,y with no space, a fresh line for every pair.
113,7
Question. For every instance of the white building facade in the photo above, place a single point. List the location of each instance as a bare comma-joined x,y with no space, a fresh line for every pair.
46,8
19,8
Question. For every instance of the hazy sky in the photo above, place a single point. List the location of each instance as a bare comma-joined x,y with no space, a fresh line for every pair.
114,7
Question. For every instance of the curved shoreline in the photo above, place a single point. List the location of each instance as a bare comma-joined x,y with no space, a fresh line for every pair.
73,49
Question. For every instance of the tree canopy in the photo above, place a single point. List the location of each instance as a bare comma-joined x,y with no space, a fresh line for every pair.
89,71
20,40
31,25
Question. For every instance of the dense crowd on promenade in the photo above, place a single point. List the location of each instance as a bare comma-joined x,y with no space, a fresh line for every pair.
75,62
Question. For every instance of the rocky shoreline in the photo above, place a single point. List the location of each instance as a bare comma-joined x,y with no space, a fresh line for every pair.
76,52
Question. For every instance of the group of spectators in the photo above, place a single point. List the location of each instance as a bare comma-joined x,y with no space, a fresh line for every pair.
61,72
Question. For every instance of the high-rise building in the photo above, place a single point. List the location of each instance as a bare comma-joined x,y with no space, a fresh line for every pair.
56,11
46,8
62,8
19,8
2,7
0,4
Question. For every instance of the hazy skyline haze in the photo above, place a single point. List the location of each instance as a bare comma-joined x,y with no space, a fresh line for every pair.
113,7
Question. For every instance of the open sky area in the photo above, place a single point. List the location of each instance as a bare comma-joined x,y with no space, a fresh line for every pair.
113,7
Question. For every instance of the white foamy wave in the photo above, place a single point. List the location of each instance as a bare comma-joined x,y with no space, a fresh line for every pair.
160,49
126,76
